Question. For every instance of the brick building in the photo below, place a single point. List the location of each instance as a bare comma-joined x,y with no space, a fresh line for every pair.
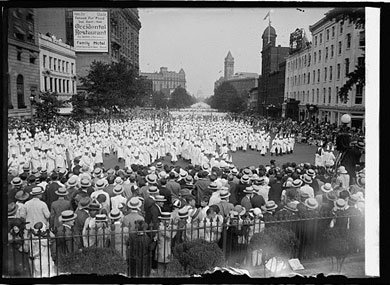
271,87
23,61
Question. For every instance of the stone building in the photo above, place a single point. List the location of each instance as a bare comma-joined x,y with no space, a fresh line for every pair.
166,81
23,61
315,74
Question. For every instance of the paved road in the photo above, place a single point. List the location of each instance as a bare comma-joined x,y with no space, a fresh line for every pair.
302,153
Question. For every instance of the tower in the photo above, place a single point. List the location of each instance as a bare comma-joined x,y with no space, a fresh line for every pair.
269,37
229,66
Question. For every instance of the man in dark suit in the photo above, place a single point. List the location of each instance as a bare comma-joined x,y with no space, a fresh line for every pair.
82,214
275,191
58,206
49,196
64,233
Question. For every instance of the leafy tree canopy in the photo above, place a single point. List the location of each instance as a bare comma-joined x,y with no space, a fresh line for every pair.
181,99
226,98
47,106
113,84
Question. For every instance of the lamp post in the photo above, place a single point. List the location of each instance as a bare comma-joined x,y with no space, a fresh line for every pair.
32,101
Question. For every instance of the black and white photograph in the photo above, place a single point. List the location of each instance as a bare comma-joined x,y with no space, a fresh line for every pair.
177,142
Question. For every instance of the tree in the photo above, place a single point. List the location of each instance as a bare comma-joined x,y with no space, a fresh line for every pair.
47,106
226,98
159,100
358,17
79,104
111,85
180,98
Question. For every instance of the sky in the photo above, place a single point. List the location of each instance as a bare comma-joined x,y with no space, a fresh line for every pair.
198,39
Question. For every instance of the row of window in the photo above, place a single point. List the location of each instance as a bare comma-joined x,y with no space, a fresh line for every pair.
325,97
329,51
57,64
58,85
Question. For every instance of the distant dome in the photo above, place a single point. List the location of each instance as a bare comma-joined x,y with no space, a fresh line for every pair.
272,32
200,105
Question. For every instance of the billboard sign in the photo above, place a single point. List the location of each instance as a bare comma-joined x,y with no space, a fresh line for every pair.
297,40
90,31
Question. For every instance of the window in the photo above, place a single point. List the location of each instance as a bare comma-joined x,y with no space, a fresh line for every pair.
315,40
330,72
318,75
55,85
346,66
327,35
331,51
333,32
324,94
299,79
73,87
314,76
308,78
32,58
321,38
361,61
312,96
304,78
72,68
325,74
67,86
309,60
305,60
362,39
338,71
348,40
19,55
55,64
295,80
319,56
340,47
63,66
318,96
341,27
51,84
44,60
326,53
315,58
329,95
67,67
337,95
50,60
359,94
9,94
44,83
64,85
20,91
288,81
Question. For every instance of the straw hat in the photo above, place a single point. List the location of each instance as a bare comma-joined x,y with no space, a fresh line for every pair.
153,190
61,191
339,204
12,209
67,216
311,203
224,194
36,191
327,187
165,216
134,203
21,195
16,181
269,206
115,214
297,183
160,198
342,170
307,179
118,189
183,212
248,190
101,218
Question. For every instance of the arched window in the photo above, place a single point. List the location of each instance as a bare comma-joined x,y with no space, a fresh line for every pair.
20,91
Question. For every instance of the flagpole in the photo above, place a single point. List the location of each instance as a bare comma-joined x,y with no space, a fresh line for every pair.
269,26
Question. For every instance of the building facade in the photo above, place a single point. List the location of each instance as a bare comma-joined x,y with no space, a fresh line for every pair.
123,34
243,82
23,61
229,66
166,81
57,67
315,75
271,82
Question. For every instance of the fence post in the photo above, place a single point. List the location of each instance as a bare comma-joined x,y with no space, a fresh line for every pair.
224,237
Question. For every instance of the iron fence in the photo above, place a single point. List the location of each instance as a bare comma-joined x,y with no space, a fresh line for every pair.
39,254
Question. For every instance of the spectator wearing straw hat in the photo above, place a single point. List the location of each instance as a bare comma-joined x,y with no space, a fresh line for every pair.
340,211
244,182
201,186
119,232
49,196
99,190
21,198
342,179
82,215
306,187
16,186
246,200
355,223
224,205
134,204
83,191
71,186
66,242
58,206
35,210
276,188
118,201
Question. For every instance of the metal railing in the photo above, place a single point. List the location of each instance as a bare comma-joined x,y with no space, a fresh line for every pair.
38,254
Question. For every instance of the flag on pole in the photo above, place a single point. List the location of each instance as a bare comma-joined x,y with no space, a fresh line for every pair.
266,16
